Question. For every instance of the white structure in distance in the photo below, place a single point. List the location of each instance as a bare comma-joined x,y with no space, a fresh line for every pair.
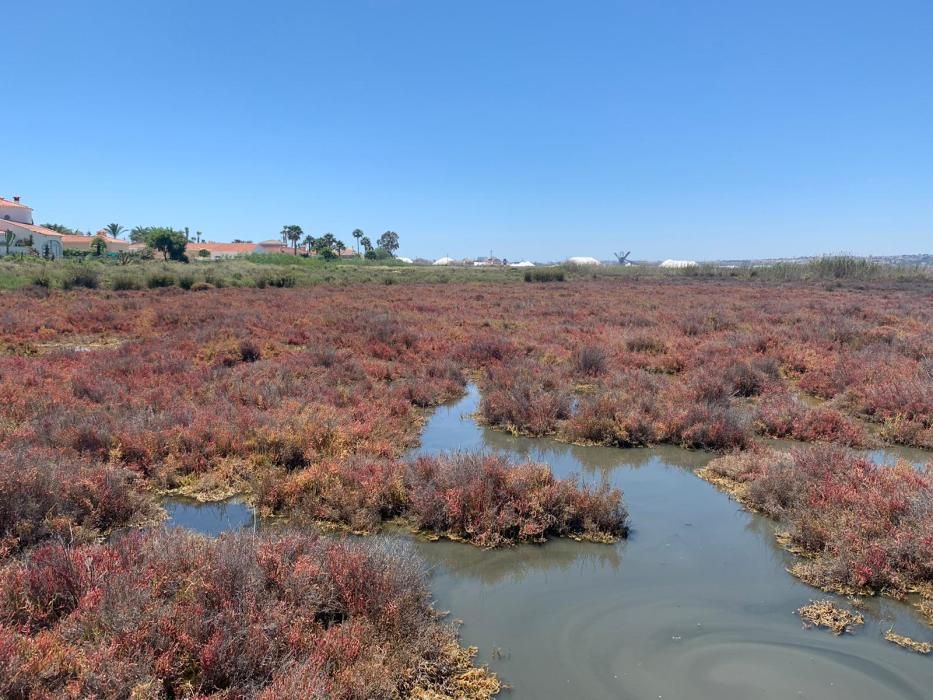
678,263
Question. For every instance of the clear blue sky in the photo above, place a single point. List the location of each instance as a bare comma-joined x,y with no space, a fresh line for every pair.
536,129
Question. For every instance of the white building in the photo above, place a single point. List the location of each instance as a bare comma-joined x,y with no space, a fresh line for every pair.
676,264
19,235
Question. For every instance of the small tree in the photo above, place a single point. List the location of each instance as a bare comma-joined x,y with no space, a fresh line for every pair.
204,253
9,238
167,241
308,243
114,230
367,244
358,234
388,242
99,246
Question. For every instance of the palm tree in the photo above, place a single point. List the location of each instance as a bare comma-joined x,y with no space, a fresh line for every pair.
358,234
292,233
114,230
308,243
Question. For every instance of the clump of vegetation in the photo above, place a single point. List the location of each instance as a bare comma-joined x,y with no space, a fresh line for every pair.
544,275
485,500
44,495
522,401
781,415
481,499
861,526
79,277
125,283
177,615
825,613
279,281
590,360
160,279
908,643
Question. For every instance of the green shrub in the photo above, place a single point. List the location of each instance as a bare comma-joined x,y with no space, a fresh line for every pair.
160,279
281,280
545,275
89,279
124,283
185,281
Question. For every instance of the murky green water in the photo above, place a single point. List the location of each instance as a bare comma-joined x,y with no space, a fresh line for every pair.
695,605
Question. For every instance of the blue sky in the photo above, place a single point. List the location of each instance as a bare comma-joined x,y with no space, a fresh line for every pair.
534,129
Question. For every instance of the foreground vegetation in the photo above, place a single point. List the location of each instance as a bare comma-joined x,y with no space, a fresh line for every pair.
306,401
176,615
861,527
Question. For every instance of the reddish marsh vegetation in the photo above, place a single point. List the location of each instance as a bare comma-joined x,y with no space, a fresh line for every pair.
307,399
239,390
168,616
861,526
477,498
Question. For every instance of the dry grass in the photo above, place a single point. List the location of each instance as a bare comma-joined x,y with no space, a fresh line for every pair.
825,613
908,643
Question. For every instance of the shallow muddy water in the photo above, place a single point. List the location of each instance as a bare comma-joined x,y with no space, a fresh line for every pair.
695,605
210,519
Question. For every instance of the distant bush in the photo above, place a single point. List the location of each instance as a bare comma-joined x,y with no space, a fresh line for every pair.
544,275
590,360
125,283
201,286
42,280
89,279
280,281
185,281
160,279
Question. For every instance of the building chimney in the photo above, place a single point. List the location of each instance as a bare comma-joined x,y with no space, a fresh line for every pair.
16,198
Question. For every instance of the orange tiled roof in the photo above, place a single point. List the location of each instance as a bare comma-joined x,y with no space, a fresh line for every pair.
77,238
32,227
11,203
221,247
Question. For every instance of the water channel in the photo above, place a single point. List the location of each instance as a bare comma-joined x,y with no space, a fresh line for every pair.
695,605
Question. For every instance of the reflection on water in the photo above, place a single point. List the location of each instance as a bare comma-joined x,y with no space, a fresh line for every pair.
695,605
209,519
514,565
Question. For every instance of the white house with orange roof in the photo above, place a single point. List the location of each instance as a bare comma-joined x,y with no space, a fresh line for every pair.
218,251
79,242
20,236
